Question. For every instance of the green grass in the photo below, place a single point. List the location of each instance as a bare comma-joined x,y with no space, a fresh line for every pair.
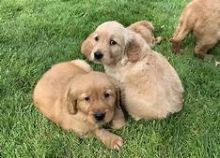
35,34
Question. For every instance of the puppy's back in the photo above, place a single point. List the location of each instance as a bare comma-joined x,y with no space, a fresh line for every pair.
201,11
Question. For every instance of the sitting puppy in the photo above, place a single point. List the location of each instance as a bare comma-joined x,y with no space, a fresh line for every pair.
151,88
80,100
202,17
146,30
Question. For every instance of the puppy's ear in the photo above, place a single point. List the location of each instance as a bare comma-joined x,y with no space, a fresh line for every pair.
118,120
87,46
117,90
133,50
70,101
118,102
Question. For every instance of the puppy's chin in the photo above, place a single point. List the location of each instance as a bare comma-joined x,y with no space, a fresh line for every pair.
95,123
97,61
101,123
106,62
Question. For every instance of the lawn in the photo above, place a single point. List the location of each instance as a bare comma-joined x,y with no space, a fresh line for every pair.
35,34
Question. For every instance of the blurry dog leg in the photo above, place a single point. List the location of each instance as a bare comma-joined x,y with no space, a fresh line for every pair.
181,32
201,49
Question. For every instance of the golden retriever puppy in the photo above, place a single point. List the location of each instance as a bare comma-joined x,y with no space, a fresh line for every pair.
80,100
146,30
150,87
202,17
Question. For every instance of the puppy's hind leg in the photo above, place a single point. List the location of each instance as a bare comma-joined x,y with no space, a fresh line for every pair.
181,32
202,49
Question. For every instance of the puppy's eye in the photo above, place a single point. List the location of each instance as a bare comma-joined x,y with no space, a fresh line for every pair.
87,98
106,95
96,38
112,42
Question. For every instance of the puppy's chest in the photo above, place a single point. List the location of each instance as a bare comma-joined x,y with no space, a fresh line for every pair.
130,73
117,73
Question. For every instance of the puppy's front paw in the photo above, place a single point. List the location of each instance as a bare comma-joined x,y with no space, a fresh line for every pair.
116,143
111,140
118,124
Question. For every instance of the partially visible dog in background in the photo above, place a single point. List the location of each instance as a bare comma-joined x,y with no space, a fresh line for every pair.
80,100
146,30
202,17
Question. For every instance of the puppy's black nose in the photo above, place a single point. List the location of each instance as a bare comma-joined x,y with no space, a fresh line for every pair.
99,116
98,55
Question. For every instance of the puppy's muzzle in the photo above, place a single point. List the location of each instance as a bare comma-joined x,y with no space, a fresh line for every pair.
99,116
98,55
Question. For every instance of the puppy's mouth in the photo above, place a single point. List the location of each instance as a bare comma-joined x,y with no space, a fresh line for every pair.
98,123
100,118
101,123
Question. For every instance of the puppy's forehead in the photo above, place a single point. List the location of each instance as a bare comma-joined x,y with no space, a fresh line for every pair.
96,80
111,26
100,79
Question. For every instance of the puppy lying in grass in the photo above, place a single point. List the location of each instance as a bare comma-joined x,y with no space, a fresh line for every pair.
202,17
80,100
146,30
151,88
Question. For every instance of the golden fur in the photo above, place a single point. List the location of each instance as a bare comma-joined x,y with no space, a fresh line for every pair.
72,95
217,63
202,17
150,86
146,30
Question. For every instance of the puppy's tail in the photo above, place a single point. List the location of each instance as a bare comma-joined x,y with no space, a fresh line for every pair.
82,64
